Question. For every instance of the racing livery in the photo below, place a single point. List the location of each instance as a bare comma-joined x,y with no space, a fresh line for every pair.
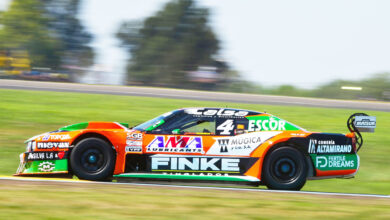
199,144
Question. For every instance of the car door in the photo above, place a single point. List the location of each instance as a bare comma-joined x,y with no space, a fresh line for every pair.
192,142
183,134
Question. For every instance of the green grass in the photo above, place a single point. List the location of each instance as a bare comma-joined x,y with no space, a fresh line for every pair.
27,113
90,201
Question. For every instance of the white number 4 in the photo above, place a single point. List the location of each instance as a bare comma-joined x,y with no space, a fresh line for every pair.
226,127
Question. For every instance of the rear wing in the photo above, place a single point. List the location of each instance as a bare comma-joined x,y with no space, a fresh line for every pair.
361,122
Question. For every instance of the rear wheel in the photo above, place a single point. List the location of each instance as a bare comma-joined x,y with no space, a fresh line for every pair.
92,159
285,168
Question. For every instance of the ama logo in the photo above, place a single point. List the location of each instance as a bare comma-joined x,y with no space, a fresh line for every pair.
179,144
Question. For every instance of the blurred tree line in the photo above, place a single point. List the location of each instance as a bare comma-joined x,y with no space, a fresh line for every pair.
48,30
176,47
173,47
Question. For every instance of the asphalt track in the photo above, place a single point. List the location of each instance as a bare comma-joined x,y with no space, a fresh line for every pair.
57,180
194,95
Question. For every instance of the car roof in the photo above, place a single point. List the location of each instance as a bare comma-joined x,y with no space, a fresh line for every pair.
219,108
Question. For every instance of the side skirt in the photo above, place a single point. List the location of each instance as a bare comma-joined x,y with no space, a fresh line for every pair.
151,177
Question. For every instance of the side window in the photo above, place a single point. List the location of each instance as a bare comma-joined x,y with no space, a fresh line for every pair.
187,124
199,125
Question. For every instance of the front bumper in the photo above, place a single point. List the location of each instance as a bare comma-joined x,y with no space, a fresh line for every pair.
42,163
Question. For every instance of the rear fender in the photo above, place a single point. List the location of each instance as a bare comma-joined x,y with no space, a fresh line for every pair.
298,144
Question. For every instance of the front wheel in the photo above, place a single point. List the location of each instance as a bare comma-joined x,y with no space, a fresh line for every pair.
285,168
92,159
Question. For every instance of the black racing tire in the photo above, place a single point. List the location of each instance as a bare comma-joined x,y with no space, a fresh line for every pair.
92,159
285,168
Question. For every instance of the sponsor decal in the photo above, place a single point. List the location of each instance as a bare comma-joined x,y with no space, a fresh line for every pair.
365,123
195,164
133,143
51,155
235,144
133,148
298,134
56,137
51,145
179,144
269,123
134,136
223,144
46,166
335,162
46,137
216,112
240,145
327,147
196,174
245,140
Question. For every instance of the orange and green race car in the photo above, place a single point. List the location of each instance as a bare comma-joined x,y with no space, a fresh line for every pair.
197,145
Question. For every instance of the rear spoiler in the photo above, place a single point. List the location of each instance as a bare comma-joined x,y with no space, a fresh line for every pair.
361,122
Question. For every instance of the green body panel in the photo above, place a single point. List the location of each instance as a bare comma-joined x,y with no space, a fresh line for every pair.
124,124
75,127
270,123
335,161
183,177
46,166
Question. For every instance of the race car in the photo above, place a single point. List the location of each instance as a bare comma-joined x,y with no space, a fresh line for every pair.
199,145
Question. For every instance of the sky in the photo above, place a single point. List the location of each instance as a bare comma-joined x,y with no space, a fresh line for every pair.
303,42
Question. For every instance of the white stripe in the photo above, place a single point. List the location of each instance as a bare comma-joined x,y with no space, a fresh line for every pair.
119,124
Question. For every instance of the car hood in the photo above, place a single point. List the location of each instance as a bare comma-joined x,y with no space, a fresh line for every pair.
83,126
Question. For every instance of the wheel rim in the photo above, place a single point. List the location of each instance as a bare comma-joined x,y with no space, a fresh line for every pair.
285,169
92,160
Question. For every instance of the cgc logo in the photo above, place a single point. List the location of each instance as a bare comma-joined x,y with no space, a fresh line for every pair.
180,144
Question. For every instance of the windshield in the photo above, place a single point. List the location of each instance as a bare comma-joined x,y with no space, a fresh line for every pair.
154,123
